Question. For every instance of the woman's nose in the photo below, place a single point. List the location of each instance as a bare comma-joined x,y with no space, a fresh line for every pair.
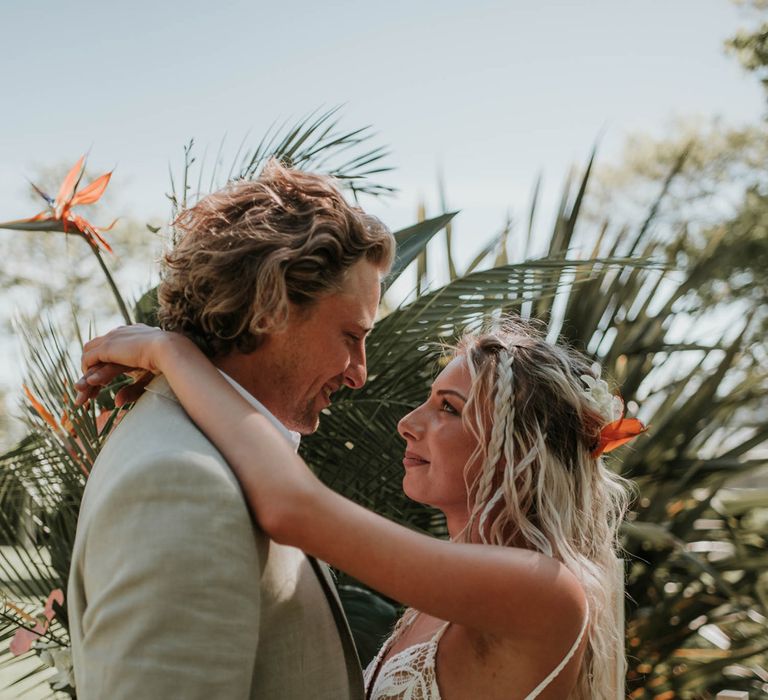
409,425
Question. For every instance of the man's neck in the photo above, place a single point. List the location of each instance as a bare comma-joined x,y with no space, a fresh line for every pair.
241,380
238,368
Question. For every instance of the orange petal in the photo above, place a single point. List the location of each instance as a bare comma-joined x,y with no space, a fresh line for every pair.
101,240
90,232
78,460
102,419
41,410
93,192
617,434
42,216
101,229
66,423
24,639
55,596
69,184
23,614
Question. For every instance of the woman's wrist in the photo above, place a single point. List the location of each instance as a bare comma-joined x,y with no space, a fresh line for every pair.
168,349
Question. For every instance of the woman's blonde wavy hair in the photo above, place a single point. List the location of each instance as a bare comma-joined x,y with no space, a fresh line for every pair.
248,251
539,486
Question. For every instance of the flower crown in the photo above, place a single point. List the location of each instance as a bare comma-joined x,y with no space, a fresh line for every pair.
617,429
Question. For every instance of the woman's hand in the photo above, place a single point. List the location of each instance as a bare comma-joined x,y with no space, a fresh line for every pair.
136,350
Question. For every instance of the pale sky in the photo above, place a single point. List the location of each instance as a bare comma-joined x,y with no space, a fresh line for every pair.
491,93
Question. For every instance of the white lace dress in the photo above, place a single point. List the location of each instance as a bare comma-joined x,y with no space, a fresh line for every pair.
410,674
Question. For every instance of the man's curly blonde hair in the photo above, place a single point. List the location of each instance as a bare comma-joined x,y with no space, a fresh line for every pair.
253,248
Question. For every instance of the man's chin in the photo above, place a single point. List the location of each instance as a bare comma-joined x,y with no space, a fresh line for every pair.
307,424
308,430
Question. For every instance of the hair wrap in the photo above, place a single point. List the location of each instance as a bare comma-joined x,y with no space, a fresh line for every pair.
503,419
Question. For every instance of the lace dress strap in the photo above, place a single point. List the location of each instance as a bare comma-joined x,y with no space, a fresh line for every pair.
541,686
439,634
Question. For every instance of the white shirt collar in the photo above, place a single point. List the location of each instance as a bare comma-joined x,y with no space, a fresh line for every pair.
291,435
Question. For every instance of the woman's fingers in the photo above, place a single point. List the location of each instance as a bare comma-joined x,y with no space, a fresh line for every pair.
123,350
133,392
127,345
103,373
82,383
83,396
100,375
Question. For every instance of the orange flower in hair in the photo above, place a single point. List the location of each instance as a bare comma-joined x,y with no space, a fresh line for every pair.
617,433
618,430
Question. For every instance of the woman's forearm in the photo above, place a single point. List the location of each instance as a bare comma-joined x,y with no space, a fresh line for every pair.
495,590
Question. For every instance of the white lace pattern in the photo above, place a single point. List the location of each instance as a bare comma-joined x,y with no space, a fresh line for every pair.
410,674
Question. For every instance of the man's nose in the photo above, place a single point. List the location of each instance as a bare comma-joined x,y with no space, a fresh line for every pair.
357,370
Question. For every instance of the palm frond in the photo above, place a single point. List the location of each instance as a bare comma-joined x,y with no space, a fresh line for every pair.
316,142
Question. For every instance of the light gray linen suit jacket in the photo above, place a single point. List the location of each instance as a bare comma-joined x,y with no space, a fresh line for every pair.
174,593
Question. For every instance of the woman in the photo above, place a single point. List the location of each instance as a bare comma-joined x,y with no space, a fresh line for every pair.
520,602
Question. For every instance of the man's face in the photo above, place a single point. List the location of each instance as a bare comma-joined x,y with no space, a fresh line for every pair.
322,348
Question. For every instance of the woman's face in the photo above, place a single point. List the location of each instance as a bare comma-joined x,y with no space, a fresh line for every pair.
438,445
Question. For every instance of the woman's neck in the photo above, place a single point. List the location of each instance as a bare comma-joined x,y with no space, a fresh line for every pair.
456,523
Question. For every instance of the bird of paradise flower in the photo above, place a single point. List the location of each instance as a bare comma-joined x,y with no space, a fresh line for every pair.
59,216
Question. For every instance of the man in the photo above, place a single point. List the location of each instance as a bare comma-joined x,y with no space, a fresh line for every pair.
173,593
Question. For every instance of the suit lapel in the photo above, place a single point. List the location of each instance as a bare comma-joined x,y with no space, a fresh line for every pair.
354,671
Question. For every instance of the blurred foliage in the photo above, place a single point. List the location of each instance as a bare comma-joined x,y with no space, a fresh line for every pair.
714,206
750,46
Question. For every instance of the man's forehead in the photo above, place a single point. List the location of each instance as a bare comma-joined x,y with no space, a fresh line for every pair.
358,312
355,306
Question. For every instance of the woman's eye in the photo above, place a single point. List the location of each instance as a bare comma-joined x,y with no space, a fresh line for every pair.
445,406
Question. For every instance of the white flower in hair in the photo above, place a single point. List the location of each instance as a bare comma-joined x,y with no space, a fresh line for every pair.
609,406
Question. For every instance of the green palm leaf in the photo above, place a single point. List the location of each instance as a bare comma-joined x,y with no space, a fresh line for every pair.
316,142
412,241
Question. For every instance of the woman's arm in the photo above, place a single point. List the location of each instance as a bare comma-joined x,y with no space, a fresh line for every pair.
496,590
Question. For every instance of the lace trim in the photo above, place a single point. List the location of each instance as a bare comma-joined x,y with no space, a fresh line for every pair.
411,672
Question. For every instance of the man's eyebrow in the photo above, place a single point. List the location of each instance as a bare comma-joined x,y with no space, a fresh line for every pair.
443,392
365,330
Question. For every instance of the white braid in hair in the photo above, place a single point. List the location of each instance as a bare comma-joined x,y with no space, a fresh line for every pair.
503,416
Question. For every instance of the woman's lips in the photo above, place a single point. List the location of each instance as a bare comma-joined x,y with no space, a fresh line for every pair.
413,460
